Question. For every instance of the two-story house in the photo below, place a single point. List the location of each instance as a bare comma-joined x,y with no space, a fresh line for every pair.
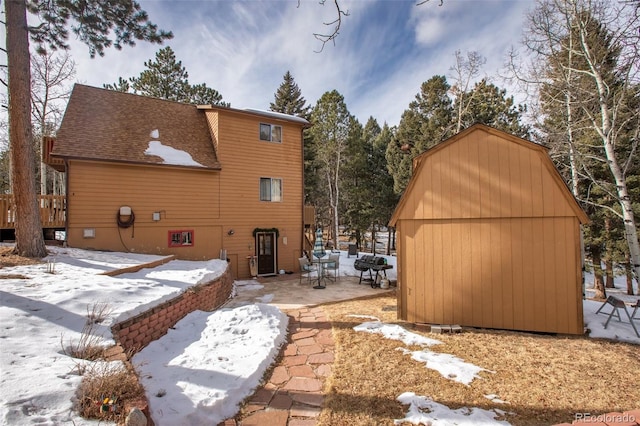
153,176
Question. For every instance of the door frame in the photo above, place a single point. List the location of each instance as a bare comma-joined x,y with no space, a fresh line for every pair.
274,238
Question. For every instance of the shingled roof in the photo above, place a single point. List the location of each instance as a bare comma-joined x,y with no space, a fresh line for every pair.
106,125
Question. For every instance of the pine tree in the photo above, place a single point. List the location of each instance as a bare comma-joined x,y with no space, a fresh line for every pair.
384,197
96,22
488,104
586,59
357,185
289,99
331,133
428,120
166,78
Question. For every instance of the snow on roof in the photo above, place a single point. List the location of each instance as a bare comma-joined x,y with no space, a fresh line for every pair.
278,115
169,154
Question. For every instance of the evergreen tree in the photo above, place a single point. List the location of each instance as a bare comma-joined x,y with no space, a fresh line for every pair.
432,118
384,198
96,23
166,78
488,104
123,85
357,185
591,121
331,132
428,120
288,99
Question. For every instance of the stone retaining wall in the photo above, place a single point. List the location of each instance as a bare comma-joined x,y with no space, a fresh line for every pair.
137,332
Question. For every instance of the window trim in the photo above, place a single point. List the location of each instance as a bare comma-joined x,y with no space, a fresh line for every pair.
189,241
271,132
271,190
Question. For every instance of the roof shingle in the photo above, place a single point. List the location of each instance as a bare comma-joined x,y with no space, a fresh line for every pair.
106,125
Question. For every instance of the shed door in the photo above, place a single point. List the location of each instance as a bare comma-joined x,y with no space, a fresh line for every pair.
266,247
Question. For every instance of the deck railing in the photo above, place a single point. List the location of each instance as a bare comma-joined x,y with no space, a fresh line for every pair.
52,211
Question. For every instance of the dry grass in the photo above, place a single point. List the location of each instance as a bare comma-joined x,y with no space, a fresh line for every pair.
545,378
7,258
111,381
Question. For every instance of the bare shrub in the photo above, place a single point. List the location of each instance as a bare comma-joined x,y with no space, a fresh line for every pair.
105,390
98,312
89,346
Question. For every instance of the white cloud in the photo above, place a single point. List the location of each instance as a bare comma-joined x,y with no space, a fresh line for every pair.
384,51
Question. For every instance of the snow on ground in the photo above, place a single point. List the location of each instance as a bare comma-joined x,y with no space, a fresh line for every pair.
424,410
449,366
200,372
616,330
231,347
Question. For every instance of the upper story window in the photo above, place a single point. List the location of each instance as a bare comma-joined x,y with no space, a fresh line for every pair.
270,132
270,189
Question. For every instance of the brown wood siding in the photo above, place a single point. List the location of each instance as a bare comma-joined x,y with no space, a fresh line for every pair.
489,236
245,159
186,199
485,177
496,273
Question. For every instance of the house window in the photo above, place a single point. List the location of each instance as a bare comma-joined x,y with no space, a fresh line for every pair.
270,189
182,238
270,132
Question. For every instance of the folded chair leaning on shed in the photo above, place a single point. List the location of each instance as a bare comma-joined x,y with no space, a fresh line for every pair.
306,267
619,304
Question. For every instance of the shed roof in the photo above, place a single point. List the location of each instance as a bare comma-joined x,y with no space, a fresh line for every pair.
107,125
539,150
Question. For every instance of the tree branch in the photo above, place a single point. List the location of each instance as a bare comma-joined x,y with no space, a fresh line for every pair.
325,38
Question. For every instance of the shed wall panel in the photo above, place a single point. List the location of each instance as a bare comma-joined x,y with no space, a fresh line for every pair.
514,276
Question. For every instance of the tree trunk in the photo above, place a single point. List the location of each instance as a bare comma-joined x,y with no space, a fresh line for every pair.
393,239
388,241
598,282
336,200
608,263
629,275
29,237
630,229
603,126
373,239
608,267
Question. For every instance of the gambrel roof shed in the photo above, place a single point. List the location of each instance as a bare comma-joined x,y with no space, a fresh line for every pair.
489,236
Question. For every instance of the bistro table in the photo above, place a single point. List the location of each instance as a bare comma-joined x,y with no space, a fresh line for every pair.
321,275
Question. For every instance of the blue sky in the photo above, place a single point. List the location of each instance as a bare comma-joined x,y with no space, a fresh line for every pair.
385,49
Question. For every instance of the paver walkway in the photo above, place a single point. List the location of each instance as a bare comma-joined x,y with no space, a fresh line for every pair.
293,395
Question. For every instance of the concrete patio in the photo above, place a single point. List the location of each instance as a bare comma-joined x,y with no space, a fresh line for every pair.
286,292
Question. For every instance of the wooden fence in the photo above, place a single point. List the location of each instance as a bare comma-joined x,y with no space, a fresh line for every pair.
52,211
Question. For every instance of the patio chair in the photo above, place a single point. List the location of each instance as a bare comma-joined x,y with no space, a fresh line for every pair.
635,309
333,265
306,267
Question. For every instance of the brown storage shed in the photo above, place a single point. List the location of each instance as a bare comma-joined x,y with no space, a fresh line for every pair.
488,235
